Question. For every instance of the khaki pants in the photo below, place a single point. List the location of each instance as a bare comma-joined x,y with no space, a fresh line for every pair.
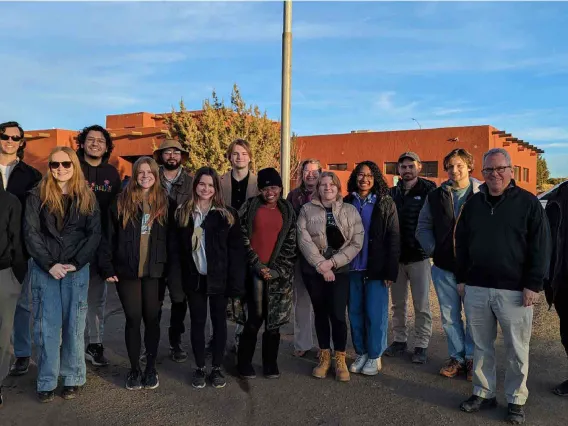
484,308
419,276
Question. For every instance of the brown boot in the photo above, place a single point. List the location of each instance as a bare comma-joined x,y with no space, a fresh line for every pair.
341,371
320,371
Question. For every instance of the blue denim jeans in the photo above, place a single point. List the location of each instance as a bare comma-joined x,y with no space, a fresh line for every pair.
460,343
60,310
22,335
368,315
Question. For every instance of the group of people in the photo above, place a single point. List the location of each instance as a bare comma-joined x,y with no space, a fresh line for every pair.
234,243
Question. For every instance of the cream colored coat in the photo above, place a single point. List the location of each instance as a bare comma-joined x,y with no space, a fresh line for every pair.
252,187
312,239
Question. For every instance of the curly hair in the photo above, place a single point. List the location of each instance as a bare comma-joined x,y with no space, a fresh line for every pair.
4,126
82,137
380,186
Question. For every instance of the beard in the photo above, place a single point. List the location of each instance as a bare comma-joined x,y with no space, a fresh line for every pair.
171,166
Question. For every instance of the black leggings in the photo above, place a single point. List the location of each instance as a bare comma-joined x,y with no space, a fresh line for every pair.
177,312
329,300
140,300
197,301
561,306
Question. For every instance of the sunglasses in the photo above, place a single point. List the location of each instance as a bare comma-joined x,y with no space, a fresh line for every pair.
54,165
8,137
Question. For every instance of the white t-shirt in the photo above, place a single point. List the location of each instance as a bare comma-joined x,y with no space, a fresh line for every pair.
6,171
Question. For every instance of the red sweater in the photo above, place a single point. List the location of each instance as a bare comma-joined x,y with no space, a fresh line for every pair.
265,229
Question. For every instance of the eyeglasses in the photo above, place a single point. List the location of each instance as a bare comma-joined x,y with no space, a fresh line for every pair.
54,165
490,170
97,141
173,153
8,137
363,175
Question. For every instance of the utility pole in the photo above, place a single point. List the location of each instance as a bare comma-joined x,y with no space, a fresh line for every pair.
286,96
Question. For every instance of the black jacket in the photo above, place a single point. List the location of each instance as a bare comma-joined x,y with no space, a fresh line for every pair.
408,208
282,260
119,253
504,247
11,245
75,244
181,190
557,213
224,250
384,240
22,180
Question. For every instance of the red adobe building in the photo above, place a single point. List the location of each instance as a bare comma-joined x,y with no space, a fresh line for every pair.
138,134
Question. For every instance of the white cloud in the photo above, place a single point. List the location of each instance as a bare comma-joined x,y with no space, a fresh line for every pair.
547,133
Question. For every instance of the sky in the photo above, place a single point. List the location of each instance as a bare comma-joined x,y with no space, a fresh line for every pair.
368,65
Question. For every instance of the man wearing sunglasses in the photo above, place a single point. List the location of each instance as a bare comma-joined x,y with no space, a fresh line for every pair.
95,148
502,243
177,183
18,178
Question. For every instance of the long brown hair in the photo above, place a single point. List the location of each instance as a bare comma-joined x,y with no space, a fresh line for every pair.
51,195
131,198
185,211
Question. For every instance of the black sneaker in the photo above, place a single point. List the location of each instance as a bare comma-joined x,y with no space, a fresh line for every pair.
150,379
46,396
198,379
515,414
69,392
396,349
134,380
20,366
177,354
271,371
217,378
420,356
246,371
95,354
476,403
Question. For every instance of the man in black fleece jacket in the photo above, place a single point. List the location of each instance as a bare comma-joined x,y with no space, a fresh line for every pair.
12,273
95,148
502,243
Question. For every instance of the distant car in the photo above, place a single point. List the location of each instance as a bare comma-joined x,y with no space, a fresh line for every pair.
545,196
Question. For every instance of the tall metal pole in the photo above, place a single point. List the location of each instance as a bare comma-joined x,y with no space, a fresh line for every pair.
286,96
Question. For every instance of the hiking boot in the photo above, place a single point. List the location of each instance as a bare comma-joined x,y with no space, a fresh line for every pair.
69,392
198,379
177,354
452,368
46,396
20,366
372,367
469,369
217,378
358,364
396,349
420,356
561,389
515,414
320,370
134,380
246,371
341,371
150,379
476,403
95,355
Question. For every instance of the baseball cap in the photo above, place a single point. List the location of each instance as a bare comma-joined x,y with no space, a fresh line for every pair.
409,154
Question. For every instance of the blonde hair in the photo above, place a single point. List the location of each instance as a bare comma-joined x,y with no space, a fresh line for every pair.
131,198
334,179
77,188
185,212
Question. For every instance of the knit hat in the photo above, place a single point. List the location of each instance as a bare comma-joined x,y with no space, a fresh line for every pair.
269,177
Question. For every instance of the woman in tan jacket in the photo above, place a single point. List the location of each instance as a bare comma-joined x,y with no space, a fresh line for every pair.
330,235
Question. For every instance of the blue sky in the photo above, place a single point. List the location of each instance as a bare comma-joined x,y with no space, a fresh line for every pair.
355,65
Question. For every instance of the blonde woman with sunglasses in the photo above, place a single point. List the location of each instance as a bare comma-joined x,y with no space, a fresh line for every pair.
133,256
207,257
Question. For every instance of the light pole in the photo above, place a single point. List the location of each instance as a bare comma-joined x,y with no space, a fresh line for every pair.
286,96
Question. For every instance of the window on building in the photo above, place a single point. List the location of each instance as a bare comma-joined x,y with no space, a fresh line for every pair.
337,166
517,170
525,174
391,168
429,169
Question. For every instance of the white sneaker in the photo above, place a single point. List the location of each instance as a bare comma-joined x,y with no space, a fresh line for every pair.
372,367
358,364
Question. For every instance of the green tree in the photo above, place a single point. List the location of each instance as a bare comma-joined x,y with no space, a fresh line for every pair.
208,133
542,172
